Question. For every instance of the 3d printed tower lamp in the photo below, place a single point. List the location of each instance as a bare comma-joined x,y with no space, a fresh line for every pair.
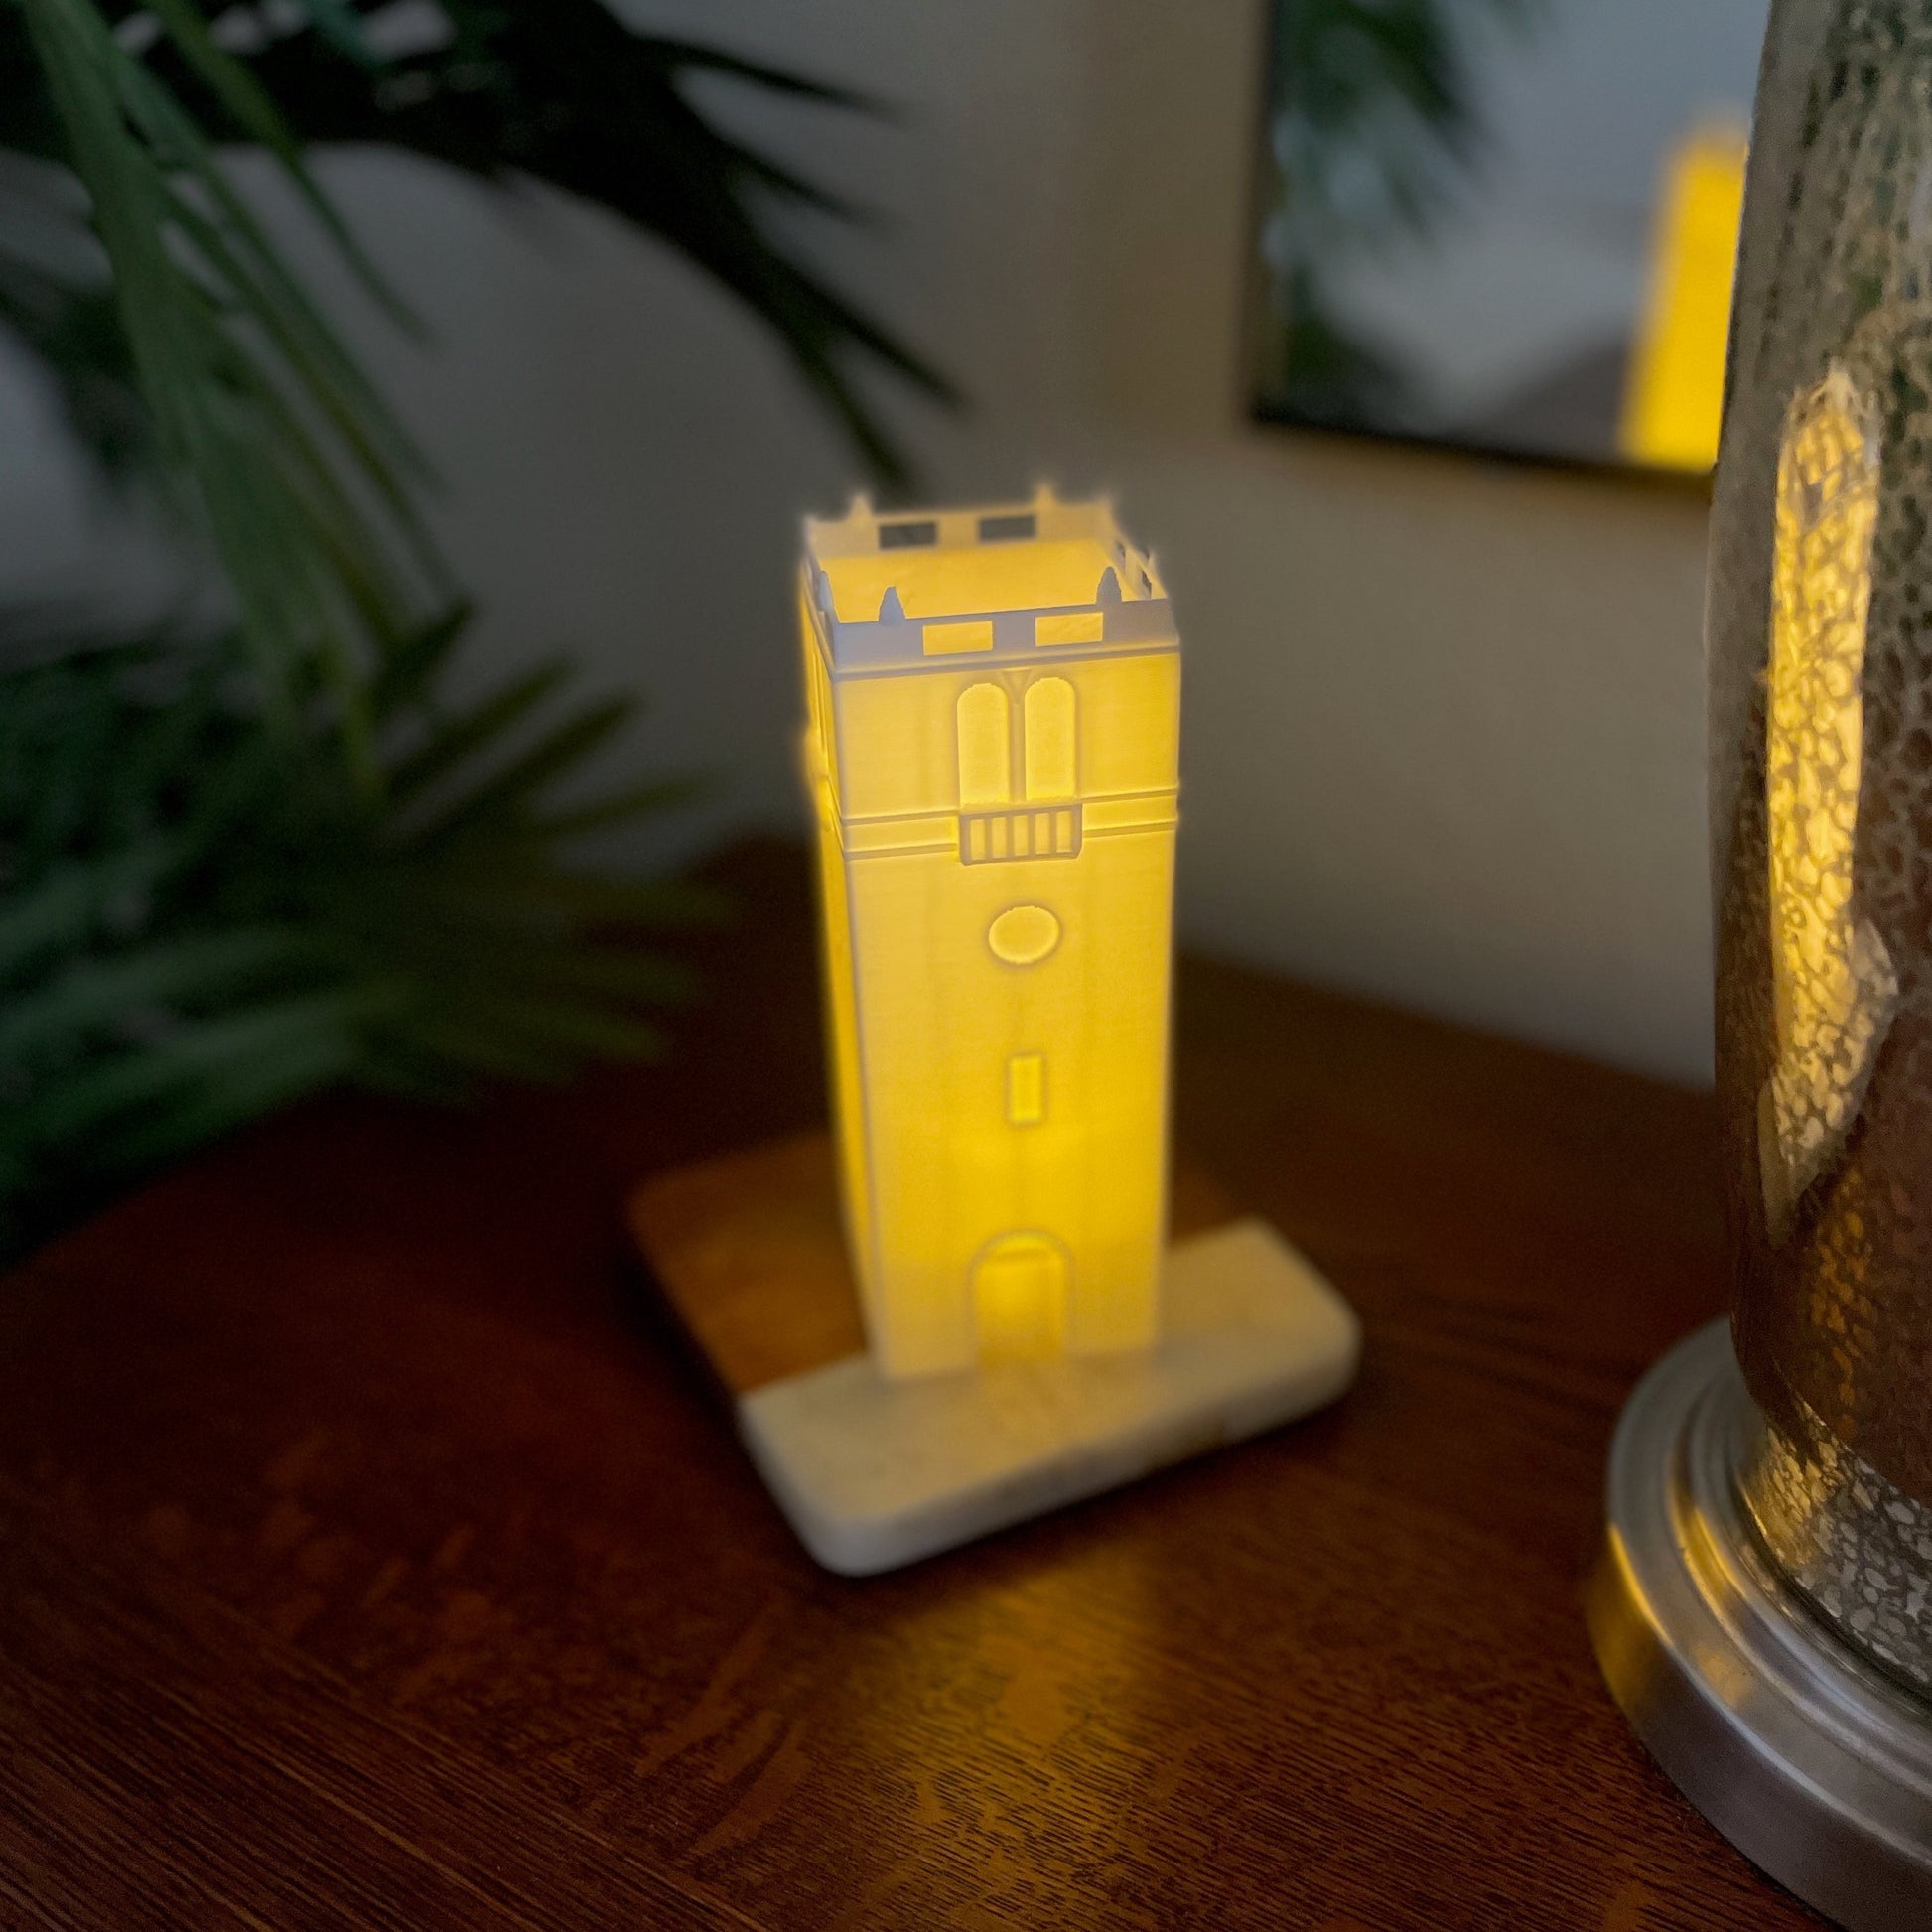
1764,1610
997,891
992,1321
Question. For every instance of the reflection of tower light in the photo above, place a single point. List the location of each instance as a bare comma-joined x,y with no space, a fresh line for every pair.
1833,980
1675,400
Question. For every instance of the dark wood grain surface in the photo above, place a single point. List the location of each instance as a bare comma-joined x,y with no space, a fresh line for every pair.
370,1557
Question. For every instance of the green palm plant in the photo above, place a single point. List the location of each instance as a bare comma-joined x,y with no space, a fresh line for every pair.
245,859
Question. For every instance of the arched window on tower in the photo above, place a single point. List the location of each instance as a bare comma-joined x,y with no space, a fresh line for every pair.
985,746
1052,739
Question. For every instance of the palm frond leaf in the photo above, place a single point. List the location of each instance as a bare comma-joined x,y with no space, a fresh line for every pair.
565,92
189,261
211,918
241,865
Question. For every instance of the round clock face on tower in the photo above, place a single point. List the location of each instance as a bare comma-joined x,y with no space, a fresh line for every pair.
1024,935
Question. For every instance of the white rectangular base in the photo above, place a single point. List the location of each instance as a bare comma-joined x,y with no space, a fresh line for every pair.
874,1473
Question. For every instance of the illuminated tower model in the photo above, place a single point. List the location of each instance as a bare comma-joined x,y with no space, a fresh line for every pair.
1674,404
995,712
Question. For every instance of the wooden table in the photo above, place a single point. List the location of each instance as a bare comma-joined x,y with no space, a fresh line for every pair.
370,1557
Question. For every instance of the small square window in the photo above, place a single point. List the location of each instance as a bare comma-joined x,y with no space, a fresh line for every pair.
945,639
1025,1089
1069,627
1019,528
909,536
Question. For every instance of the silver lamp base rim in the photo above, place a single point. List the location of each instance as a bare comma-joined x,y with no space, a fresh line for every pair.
1814,1764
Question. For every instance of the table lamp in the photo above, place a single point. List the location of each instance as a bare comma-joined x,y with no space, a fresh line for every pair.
992,1321
1764,1610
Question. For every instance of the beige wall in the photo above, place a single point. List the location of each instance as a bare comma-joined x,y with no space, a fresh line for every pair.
1445,718
1443,721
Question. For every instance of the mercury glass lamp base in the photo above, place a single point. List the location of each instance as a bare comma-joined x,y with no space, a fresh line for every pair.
1813,1763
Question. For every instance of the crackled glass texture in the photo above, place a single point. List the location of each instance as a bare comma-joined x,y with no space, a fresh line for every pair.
1821,735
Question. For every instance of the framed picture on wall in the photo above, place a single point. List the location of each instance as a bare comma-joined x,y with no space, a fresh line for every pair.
1508,226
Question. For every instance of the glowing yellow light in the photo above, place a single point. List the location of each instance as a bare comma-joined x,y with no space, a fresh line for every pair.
1834,987
994,702
1027,1089
1675,400
1074,627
